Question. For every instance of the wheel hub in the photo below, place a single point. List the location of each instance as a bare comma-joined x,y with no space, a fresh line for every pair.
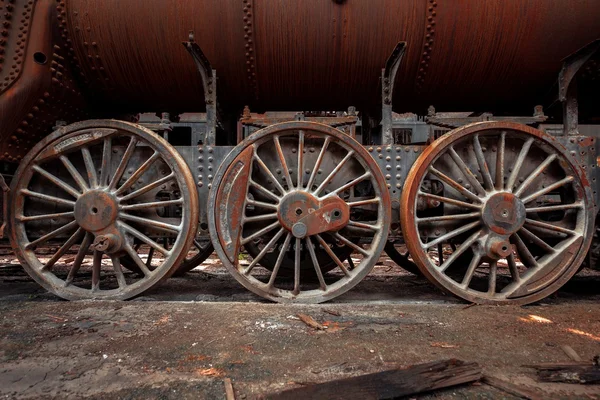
96,210
504,213
304,215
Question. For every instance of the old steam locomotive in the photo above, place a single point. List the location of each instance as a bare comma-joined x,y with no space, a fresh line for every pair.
138,135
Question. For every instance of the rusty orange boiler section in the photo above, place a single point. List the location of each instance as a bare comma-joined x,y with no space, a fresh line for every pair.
118,56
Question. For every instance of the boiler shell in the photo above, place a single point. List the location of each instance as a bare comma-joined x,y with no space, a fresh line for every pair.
321,55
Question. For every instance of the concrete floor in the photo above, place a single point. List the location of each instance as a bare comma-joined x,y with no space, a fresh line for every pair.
182,339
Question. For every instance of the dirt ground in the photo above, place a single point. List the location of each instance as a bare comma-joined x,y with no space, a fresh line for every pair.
181,340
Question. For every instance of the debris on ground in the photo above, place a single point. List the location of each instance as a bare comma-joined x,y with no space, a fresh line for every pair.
229,393
511,388
444,345
310,321
570,352
574,372
332,312
388,384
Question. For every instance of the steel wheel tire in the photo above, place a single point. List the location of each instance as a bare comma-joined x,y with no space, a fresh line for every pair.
101,202
500,212
233,193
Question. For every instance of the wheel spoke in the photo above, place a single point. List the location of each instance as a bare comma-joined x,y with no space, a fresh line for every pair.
451,234
550,227
524,253
297,266
518,163
139,235
286,170
264,251
457,186
138,173
261,232
156,204
264,217
466,171
106,158
151,223
123,163
266,169
449,200
548,189
560,207
264,190
137,260
471,271
351,184
315,262
456,252
500,162
538,171
333,256
96,267
57,181
317,165
148,187
512,267
350,244
53,234
537,240
83,248
74,173
359,203
374,228
29,218
300,182
351,264
492,278
116,262
89,167
333,173
284,248
149,258
444,218
440,250
48,199
261,204
63,249
485,171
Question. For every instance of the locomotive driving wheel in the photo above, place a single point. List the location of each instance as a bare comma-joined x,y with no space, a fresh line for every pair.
497,213
305,188
94,194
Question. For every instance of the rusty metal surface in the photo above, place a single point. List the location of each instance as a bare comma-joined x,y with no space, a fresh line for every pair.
282,55
511,203
276,55
251,122
304,188
102,188
37,86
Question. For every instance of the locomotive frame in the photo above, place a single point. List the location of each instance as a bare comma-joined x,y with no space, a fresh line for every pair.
462,203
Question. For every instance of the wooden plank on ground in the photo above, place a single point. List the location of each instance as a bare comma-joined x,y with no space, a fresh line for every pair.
388,384
582,374
511,388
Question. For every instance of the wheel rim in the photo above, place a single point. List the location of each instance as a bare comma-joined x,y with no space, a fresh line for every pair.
201,249
399,254
93,189
339,183
497,212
